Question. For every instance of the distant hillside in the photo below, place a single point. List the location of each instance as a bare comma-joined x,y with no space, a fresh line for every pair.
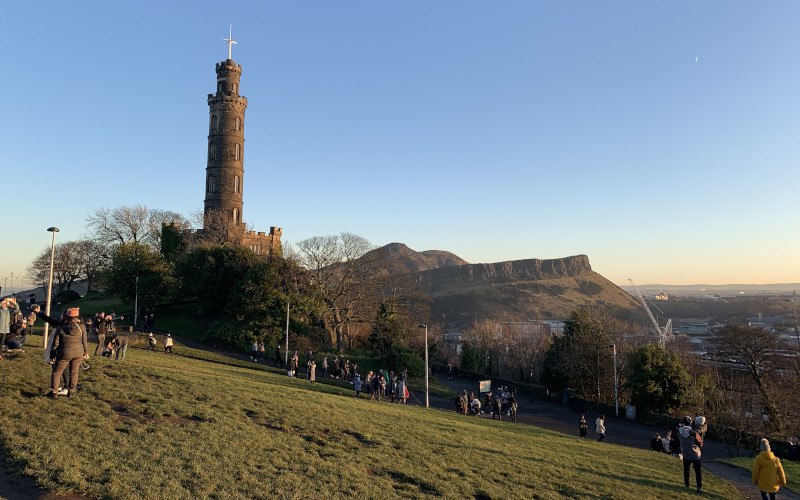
523,289
399,259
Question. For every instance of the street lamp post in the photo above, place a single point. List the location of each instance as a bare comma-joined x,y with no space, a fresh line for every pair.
427,399
616,392
286,351
136,302
53,230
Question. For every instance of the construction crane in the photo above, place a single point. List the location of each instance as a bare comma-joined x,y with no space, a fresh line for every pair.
665,333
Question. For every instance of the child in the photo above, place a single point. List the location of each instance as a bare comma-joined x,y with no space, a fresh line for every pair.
357,384
583,427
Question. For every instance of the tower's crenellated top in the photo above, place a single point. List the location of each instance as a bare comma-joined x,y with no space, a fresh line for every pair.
228,75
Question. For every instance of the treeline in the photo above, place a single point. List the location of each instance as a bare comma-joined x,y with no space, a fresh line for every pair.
747,380
338,297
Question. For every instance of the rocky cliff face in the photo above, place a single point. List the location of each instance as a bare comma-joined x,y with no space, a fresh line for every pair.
528,269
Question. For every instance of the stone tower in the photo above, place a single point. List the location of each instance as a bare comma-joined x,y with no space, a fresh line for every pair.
225,165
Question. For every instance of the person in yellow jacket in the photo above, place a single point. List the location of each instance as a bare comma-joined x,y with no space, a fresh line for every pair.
768,473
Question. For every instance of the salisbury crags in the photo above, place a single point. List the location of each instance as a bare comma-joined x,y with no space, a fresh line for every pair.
528,269
518,290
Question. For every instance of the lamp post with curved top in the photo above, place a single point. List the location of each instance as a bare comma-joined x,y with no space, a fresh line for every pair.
616,391
53,230
427,400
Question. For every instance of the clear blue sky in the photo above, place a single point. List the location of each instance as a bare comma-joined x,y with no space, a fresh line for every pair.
658,138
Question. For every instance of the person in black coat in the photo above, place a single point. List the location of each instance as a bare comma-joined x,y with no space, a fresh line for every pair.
69,350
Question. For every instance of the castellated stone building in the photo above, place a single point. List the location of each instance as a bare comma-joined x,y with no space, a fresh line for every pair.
225,166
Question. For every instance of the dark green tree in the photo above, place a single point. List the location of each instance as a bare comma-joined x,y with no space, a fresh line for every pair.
474,358
389,341
581,359
138,270
210,273
657,380
388,331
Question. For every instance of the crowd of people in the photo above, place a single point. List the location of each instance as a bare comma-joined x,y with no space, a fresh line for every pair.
499,403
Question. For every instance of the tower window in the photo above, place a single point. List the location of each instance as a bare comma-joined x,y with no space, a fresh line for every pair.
211,184
212,151
235,88
238,153
236,184
219,86
235,215
214,123
237,124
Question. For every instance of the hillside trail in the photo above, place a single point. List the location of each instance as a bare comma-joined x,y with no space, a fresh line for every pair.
619,430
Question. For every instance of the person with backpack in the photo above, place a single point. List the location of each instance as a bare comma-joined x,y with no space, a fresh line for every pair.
69,350
691,449
768,472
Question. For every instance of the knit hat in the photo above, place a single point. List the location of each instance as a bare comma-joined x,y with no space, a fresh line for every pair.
73,312
700,420
687,420
764,445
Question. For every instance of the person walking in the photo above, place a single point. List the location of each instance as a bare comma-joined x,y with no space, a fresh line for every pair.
768,472
324,366
357,384
583,427
312,371
262,354
691,448
151,342
278,357
600,427
168,344
69,350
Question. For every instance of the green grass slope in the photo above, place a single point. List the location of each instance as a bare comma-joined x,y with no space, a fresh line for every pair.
156,426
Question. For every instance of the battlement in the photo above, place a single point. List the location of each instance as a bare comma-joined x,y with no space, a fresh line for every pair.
228,65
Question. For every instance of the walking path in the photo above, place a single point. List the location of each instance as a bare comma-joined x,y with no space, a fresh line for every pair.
561,418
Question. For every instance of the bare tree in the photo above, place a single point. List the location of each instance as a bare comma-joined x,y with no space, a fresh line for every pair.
218,227
340,273
757,351
69,265
128,224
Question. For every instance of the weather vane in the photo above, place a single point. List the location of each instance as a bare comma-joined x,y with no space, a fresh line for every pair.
230,40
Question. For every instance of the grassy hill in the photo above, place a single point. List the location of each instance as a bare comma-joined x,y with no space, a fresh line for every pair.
158,426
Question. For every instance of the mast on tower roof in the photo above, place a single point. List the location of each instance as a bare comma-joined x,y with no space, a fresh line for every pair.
230,41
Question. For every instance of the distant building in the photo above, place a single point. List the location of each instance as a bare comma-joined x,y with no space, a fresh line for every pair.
532,329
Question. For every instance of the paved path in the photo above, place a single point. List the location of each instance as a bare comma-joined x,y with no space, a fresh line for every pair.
619,430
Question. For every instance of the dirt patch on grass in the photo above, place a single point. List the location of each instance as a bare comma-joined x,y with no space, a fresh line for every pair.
123,414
